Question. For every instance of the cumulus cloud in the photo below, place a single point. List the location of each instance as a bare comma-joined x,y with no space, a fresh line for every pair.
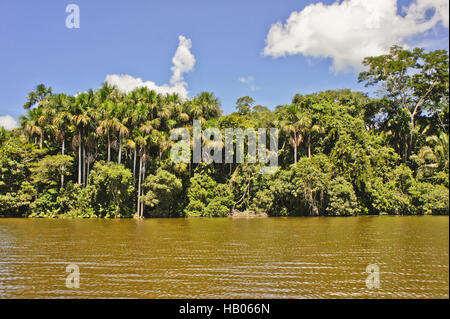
183,61
250,80
350,30
8,122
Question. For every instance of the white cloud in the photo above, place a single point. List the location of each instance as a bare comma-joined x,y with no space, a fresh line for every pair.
8,122
250,80
247,79
350,30
127,83
183,61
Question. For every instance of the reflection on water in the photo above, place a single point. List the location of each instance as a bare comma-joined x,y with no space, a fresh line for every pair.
226,258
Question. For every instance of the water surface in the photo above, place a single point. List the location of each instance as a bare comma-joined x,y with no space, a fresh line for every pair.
226,258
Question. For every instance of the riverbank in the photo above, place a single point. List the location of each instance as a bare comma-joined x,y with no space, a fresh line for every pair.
233,215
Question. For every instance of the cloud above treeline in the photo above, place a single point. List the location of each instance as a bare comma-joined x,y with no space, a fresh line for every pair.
250,81
350,30
183,61
8,122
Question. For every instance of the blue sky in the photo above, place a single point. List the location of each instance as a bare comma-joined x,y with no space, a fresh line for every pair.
228,40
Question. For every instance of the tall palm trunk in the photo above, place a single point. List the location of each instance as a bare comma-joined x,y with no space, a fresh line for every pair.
87,173
62,153
139,189
295,154
41,140
84,165
295,147
134,164
109,148
142,190
79,157
120,150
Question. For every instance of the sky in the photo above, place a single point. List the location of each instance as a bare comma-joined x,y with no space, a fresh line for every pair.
267,49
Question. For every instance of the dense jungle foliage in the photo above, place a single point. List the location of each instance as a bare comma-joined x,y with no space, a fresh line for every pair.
105,153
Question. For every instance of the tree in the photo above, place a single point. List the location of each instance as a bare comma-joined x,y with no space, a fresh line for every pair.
413,79
205,106
82,119
342,199
163,191
37,96
430,199
207,198
122,131
49,169
244,105
106,125
113,189
31,128
311,177
295,125
60,122
16,190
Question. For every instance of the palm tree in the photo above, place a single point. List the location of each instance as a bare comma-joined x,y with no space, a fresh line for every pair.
30,127
91,149
106,125
162,140
81,119
132,146
441,148
122,131
141,141
209,104
293,127
309,127
37,96
60,122
433,156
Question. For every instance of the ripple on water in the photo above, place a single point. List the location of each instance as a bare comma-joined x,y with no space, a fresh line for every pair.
223,258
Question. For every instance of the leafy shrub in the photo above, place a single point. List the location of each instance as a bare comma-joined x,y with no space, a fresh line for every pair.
342,199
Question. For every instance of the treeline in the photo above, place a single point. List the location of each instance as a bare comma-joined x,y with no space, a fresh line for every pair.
106,153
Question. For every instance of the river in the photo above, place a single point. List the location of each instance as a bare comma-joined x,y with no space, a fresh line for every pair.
226,258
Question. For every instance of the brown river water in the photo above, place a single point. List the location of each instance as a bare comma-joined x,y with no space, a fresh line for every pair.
226,258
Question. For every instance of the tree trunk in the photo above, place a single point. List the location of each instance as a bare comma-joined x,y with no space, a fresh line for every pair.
295,147
134,164
87,174
41,140
295,154
410,148
84,165
309,145
109,148
139,189
62,152
142,190
120,150
79,158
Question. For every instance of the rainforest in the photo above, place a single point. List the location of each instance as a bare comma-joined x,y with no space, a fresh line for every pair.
106,153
